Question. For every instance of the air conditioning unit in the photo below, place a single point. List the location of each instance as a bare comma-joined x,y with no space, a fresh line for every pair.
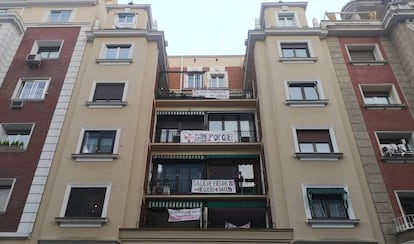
33,60
16,103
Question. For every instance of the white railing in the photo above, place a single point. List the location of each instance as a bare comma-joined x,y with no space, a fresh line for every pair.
351,16
404,223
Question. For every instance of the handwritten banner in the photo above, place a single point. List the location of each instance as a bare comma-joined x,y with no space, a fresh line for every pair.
179,215
213,186
198,136
220,94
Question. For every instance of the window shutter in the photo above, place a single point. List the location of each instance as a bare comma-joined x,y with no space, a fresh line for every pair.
313,136
109,92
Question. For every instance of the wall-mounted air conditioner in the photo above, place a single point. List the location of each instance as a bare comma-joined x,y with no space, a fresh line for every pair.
33,60
16,103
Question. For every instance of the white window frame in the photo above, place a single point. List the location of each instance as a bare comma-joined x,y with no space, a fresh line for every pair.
335,155
104,47
4,127
7,182
84,222
189,69
379,59
396,133
78,156
311,59
46,43
124,24
281,24
19,89
349,223
49,13
218,71
322,101
382,87
90,103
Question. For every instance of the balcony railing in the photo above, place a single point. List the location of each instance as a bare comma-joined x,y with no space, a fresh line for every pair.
174,136
351,16
205,94
404,223
394,152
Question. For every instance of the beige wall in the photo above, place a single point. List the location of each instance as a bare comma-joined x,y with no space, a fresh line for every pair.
270,15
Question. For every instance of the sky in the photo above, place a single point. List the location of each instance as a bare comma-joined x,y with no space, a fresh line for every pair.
216,27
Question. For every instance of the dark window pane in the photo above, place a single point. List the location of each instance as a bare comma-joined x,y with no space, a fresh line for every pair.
109,92
98,142
85,202
361,55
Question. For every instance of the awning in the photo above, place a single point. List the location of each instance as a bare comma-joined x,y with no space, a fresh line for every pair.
236,204
183,113
174,204
178,157
326,190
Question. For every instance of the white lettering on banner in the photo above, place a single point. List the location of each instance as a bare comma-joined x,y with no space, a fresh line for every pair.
213,186
198,136
179,215
220,94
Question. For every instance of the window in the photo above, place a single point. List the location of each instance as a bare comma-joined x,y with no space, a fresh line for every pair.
328,206
15,137
396,146
303,91
57,16
315,144
364,53
125,20
295,50
84,206
406,202
241,124
380,95
286,20
108,93
217,81
115,51
6,188
97,145
31,89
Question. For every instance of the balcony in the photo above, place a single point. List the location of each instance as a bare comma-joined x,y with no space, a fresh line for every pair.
166,135
396,146
404,228
175,94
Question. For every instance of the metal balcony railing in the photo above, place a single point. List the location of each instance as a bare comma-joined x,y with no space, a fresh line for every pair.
404,223
166,135
351,16
205,94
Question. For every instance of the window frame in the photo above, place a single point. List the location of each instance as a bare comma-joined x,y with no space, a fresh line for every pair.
21,83
196,72
7,182
282,24
124,24
83,221
79,156
388,88
38,44
379,59
311,58
50,12
350,222
400,156
15,127
105,47
321,101
334,155
217,71
104,104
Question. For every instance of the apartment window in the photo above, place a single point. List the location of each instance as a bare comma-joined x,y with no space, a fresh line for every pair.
84,206
218,81
194,80
328,206
303,91
105,93
241,124
380,95
406,202
125,20
295,50
57,16
98,142
31,89
15,136
286,20
316,143
364,53
396,146
117,51
6,188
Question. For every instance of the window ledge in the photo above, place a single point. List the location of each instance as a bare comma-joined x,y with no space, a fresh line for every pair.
333,223
6,148
106,104
319,156
307,103
114,61
368,62
87,222
94,157
298,60
384,106
403,157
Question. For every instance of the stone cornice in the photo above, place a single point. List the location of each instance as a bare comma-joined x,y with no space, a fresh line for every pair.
15,19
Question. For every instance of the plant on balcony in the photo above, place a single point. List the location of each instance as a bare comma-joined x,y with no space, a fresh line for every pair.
15,146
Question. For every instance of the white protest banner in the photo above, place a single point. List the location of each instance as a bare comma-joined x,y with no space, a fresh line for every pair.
213,186
199,136
219,94
179,215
